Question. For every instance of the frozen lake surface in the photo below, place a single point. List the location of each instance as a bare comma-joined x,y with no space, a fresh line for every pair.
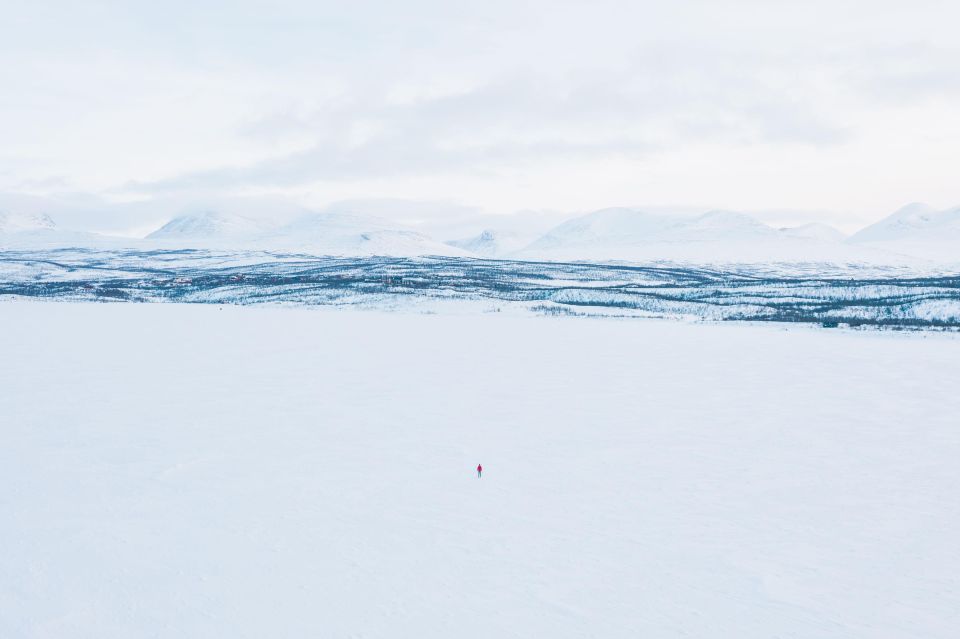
176,470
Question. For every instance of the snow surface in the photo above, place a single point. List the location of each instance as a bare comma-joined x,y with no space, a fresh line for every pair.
813,293
332,233
913,220
184,471
714,237
916,229
20,222
207,225
491,243
816,231
326,233
916,237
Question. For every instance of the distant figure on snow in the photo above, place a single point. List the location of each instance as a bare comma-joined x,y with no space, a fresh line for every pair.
479,471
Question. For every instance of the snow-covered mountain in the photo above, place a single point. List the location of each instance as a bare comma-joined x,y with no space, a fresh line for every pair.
491,243
717,225
208,225
25,222
918,230
914,221
324,233
38,230
915,234
607,227
331,233
815,231
715,236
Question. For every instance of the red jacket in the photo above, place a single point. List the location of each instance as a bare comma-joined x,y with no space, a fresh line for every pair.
479,468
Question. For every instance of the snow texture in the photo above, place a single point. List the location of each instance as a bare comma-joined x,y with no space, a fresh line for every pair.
185,471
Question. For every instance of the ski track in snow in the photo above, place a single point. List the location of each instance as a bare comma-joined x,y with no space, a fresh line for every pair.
188,471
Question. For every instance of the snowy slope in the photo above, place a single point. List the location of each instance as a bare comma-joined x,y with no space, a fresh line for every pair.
25,222
208,225
325,233
332,233
715,236
916,229
27,229
491,243
917,236
605,228
296,473
915,220
717,226
815,231
20,231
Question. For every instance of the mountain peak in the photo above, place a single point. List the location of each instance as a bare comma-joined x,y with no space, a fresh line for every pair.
490,243
913,221
814,231
206,224
20,222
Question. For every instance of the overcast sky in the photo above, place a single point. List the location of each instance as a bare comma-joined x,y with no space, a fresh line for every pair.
843,110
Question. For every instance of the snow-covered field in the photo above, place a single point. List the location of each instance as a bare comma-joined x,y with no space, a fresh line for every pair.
185,471
824,294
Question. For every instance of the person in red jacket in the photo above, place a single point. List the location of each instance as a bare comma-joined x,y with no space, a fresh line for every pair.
479,470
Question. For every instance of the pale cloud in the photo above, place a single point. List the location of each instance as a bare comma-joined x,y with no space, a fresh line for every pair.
665,101
908,73
846,106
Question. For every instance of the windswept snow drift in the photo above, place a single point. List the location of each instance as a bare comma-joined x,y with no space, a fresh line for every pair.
193,472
